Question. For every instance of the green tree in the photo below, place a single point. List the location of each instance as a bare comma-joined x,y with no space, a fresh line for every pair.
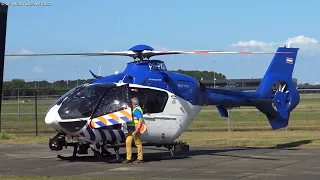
201,74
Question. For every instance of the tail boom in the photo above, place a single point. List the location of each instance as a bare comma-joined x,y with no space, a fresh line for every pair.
275,97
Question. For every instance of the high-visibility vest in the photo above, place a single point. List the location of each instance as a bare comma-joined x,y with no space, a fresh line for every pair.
134,121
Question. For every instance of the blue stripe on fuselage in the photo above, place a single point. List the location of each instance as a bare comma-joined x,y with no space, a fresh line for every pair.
123,137
92,135
113,136
112,121
103,135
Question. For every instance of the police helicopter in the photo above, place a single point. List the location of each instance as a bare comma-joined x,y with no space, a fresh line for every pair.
94,115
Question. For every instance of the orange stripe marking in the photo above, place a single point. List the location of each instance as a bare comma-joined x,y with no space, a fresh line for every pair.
199,52
92,124
126,114
115,117
103,120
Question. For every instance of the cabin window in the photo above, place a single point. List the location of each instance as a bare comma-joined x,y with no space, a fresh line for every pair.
150,100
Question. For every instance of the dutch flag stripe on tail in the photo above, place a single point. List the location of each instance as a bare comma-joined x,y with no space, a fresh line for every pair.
289,60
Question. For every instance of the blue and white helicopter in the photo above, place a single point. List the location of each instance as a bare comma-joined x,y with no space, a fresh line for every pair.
95,114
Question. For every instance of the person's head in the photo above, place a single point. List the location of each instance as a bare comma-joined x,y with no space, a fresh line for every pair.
134,101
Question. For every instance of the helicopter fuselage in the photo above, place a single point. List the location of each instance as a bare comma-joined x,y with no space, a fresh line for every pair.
166,115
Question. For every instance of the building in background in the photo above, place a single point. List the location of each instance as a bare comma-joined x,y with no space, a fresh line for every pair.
252,85
240,84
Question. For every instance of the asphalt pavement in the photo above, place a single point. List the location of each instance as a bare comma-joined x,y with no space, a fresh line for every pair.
205,162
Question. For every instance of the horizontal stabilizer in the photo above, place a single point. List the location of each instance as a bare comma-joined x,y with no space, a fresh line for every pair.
223,111
95,76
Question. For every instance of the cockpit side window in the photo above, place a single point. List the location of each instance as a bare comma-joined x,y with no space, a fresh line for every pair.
142,95
150,100
114,99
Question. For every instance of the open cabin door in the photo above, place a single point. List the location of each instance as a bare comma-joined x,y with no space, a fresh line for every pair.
113,109
153,102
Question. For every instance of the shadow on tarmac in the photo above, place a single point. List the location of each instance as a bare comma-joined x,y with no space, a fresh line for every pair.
164,154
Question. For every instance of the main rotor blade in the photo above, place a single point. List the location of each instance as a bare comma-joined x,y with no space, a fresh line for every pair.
144,53
209,52
121,53
157,53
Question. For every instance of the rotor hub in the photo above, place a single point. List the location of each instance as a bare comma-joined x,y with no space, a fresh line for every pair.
141,47
138,49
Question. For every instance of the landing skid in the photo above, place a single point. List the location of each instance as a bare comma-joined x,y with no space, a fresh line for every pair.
58,142
175,148
83,149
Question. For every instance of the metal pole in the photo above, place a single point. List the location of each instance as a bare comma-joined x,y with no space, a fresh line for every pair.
77,76
1,122
229,120
3,31
19,128
36,110
214,76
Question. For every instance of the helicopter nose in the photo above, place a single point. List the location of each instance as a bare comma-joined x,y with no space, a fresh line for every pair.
51,117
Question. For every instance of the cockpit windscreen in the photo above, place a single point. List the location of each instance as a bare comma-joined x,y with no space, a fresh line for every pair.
82,102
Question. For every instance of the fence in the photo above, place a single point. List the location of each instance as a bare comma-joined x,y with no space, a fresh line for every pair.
24,110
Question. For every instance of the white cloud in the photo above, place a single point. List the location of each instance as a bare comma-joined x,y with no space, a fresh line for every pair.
23,51
37,69
307,45
302,40
252,43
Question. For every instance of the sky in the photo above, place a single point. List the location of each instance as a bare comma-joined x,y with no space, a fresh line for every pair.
95,26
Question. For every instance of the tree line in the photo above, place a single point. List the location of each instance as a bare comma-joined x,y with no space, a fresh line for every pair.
27,88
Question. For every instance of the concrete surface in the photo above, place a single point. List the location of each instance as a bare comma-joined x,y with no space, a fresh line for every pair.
200,163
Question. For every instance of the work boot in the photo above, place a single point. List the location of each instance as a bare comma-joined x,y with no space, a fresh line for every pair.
137,162
126,161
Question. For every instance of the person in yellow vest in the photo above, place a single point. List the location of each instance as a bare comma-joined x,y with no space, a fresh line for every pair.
134,133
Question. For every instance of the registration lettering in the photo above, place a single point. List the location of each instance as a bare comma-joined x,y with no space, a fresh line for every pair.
150,79
183,85
157,66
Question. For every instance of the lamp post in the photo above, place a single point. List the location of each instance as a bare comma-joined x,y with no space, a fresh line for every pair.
214,75
77,76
